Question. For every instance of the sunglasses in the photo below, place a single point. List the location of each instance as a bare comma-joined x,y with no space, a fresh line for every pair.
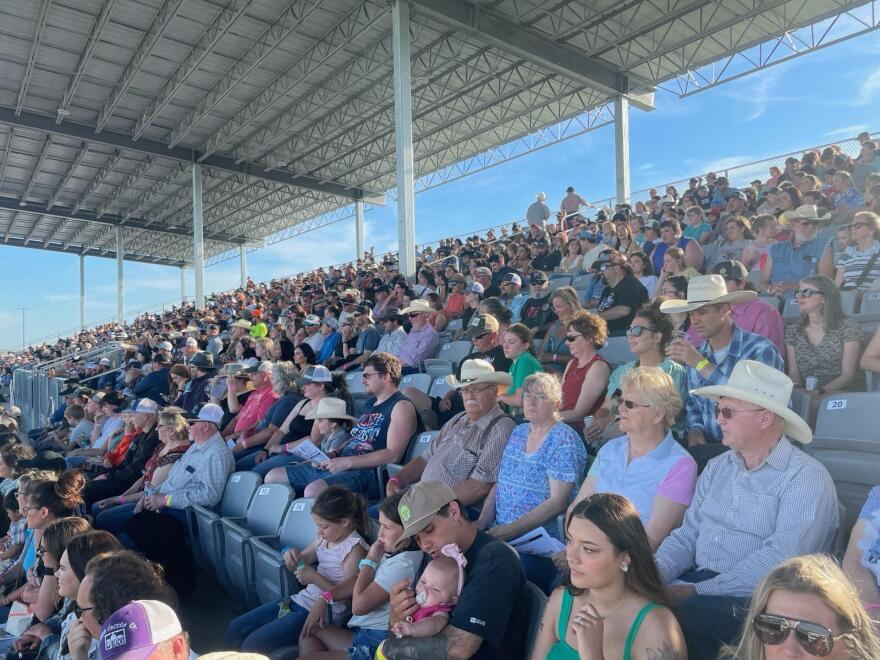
804,293
481,335
858,225
728,413
814,639
571,338
630,405
638,330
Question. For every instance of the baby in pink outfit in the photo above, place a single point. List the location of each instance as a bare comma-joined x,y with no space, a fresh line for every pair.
437,593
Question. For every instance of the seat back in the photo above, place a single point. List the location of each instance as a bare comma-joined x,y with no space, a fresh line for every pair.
773,301
454,351
267,509
439,387
557,281
843,423
535,603
422,382
455,325
298,529
854,474
791,312
849,301
354,382
420,444
583,282
870,303
239,491
617,351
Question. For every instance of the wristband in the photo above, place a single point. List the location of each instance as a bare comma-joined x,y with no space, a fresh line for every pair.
554,357
168,500
702,364
327,596
872,606
120,499
367,562
394,480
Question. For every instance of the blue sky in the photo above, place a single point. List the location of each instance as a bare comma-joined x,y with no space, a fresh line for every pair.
828,95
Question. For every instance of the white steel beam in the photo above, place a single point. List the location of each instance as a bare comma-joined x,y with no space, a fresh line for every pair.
242,265
359,229
120,277
621,147
74,164
406,243
198,236
82,291
6,151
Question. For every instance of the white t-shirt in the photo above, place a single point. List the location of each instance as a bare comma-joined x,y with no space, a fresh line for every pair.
110,426
391,571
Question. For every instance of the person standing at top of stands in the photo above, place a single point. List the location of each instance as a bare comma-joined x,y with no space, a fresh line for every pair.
422,340
379,436
670,236
755,506
569,208
537,312
538,212
708,306
623,294
196,393
241,328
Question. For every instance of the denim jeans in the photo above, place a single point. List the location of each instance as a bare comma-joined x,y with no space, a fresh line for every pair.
540,571
365,643
247,459
710,621
361,481
113,519
281,460
262,631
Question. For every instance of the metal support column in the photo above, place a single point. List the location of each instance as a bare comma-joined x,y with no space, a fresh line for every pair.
242,264
621,147
359,228
403,139
182,285
120,277
198,236
82,292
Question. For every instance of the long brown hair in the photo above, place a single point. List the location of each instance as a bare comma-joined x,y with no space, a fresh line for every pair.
617,518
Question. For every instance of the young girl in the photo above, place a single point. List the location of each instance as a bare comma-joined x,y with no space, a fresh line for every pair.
13,542
342,522
333,424
370,603
517,345
436,593
755,255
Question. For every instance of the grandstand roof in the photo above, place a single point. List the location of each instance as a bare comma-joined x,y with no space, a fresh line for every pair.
288,104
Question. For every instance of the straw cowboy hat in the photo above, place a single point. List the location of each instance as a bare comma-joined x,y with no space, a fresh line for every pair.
765,387
807,212
330,408
706,290
478,371
418,306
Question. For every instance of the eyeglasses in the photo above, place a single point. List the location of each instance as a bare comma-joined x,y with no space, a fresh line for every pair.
571,338
367,376
805,293
78,611
632,404
814,639
638,330
669,292
473,392
727,413
481,335
535,396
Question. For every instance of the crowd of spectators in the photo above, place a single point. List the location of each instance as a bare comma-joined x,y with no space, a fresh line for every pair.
666,505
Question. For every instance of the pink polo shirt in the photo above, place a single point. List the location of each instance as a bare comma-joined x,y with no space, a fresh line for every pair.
254,409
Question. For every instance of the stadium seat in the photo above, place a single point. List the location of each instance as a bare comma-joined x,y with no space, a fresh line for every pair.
272,579
557,281
535,603
849,300
422,382
848,447
616,351
447,358
418,445
439,387
583,282
754,276
263,518
773,301
354,382
868,317
800,403
791,312
455,325
240,489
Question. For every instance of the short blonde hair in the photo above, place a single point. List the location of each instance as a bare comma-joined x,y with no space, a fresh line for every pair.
545,383
658,390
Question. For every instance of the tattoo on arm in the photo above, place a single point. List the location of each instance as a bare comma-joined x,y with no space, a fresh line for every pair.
665,653
421,648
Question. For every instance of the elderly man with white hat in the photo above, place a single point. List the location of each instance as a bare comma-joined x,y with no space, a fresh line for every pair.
762,502
538,212
724,344
466,454
422,340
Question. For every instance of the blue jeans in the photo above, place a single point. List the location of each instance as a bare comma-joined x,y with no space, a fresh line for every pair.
361,481
710,621
247,459
113,519
365,643
281,460
540,571
262,631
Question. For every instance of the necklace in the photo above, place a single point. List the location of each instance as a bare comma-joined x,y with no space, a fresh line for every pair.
605,617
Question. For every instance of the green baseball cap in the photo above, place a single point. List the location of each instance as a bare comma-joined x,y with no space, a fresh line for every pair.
420,504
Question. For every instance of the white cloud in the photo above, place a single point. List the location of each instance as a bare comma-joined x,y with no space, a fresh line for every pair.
846,131
869,89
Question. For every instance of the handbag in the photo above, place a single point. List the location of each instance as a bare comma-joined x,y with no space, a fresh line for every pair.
20,617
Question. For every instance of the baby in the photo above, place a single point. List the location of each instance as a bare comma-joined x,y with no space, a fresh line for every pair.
437,593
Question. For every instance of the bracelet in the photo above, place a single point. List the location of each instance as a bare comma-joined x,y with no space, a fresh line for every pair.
367,562
554,357
120,499
872,606
327,596
168,500
702,364
394,480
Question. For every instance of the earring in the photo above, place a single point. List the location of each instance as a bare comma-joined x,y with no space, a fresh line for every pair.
624,567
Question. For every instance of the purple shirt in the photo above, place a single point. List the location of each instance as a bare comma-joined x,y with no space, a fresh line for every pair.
754,316
418,345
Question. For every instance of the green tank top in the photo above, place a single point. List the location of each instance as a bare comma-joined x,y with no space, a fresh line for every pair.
561,650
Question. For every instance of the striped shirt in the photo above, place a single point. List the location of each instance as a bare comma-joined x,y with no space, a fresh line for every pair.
743,346
743,523
853,262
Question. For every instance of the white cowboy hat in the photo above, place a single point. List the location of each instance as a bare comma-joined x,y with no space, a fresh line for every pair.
478,371
418,306
765,387
330,408
541,196
807,212
705,290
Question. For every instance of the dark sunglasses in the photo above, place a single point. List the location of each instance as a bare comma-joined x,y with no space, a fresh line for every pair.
858,225
412,316
814,639
571,338
727,413
631,404
813,223
804,293
638,330
481,335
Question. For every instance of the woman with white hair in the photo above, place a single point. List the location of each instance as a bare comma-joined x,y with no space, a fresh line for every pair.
543,461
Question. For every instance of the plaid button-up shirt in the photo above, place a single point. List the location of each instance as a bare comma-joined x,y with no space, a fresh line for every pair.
742,523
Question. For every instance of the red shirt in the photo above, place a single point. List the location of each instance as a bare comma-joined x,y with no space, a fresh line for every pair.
572,384
253,411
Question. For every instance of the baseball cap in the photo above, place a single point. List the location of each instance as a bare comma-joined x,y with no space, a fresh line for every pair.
104,361
315,374
420,504
311,319
191,341
210,412
142,406
587,235
513,278
331,321
475,287
481,323
482,270
538,277
165,346
736,194
135,630
731,270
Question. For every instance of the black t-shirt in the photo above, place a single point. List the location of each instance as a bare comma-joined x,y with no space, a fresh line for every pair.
628,292
537,312
493,603
493,291
495,357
